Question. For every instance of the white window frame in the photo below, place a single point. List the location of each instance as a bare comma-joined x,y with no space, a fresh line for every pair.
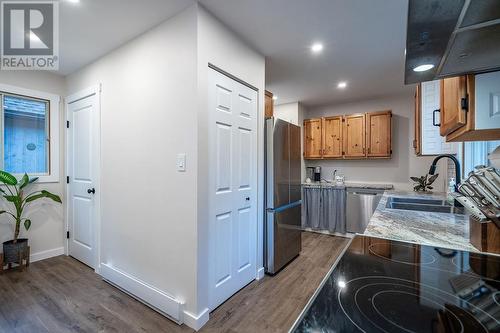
477,154
54,129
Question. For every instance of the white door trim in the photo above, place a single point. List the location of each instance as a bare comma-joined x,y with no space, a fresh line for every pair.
93,90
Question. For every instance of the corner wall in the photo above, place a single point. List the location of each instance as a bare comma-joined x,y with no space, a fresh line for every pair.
148,116
403,164
47,232
154,101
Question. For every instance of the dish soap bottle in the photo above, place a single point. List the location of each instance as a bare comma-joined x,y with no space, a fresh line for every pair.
451,189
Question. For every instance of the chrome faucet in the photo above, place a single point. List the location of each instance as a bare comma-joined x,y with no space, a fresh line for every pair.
334,175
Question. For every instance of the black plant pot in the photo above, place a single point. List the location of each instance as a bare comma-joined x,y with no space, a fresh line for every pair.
12,251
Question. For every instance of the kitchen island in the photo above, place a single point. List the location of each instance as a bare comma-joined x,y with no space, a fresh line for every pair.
383,285
445,230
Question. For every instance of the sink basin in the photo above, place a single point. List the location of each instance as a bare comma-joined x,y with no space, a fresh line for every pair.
419,201
423,205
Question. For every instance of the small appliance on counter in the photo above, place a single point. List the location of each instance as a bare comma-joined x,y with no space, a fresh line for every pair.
480,195
317,174
310,173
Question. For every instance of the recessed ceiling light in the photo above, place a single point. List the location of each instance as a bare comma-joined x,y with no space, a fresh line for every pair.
275,98
423,68
317,47
342,85
73,1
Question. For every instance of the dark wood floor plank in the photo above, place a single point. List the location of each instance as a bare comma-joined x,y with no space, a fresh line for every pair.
61,295
274,303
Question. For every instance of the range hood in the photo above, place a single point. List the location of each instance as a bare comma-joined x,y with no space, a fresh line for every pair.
456,36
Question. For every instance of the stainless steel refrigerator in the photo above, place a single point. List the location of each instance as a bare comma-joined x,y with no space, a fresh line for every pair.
283,194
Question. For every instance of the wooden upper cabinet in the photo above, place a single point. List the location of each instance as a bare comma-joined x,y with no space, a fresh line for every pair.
332,137
354,136
453,114
269,105
378,134
313,138
482,115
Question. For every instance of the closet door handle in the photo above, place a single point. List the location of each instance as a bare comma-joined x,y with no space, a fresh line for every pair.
434,117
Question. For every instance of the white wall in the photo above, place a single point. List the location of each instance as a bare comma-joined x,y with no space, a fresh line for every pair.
220,47
293,113
288,112
403,164
47,232
154,105
148,116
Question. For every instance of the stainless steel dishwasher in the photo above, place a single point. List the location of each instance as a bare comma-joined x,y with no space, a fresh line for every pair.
361,204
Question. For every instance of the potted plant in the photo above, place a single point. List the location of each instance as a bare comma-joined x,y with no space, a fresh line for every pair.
423,184
14,192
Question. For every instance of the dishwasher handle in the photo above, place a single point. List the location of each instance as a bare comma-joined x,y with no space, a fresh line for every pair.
364,193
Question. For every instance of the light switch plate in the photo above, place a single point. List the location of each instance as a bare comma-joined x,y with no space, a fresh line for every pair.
181,162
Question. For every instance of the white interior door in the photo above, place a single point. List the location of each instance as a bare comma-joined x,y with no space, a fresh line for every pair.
233,186
83,174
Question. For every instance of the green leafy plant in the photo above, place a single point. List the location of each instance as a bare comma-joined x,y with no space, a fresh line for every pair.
424,183
15,193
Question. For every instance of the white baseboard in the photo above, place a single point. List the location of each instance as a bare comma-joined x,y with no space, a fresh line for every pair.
145,293
196,322
42,255
260,273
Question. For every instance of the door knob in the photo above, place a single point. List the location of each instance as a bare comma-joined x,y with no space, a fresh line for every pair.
91,191
247,199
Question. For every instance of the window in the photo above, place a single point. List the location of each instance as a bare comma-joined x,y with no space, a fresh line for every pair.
476,153
26,135
30,133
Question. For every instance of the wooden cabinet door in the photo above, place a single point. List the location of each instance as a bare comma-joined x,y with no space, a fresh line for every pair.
269,105
354,136
312,138
378,134
452,116
332,137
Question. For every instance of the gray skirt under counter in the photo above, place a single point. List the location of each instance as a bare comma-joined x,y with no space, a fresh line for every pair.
340,208
324,207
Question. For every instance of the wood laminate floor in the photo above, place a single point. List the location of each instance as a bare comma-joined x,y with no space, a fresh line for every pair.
62,295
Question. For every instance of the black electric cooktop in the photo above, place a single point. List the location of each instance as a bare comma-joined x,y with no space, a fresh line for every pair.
388,286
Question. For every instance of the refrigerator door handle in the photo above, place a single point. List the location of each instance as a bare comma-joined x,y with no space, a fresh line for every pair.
284,207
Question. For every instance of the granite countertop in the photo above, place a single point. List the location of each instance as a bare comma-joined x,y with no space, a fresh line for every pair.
352,185
428,228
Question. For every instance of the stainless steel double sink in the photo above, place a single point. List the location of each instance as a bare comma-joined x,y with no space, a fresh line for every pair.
423,205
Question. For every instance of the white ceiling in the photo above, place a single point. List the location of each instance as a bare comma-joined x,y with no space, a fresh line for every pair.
91,28
364,43
364,40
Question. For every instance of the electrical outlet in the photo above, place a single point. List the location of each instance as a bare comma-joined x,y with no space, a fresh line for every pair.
181,162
